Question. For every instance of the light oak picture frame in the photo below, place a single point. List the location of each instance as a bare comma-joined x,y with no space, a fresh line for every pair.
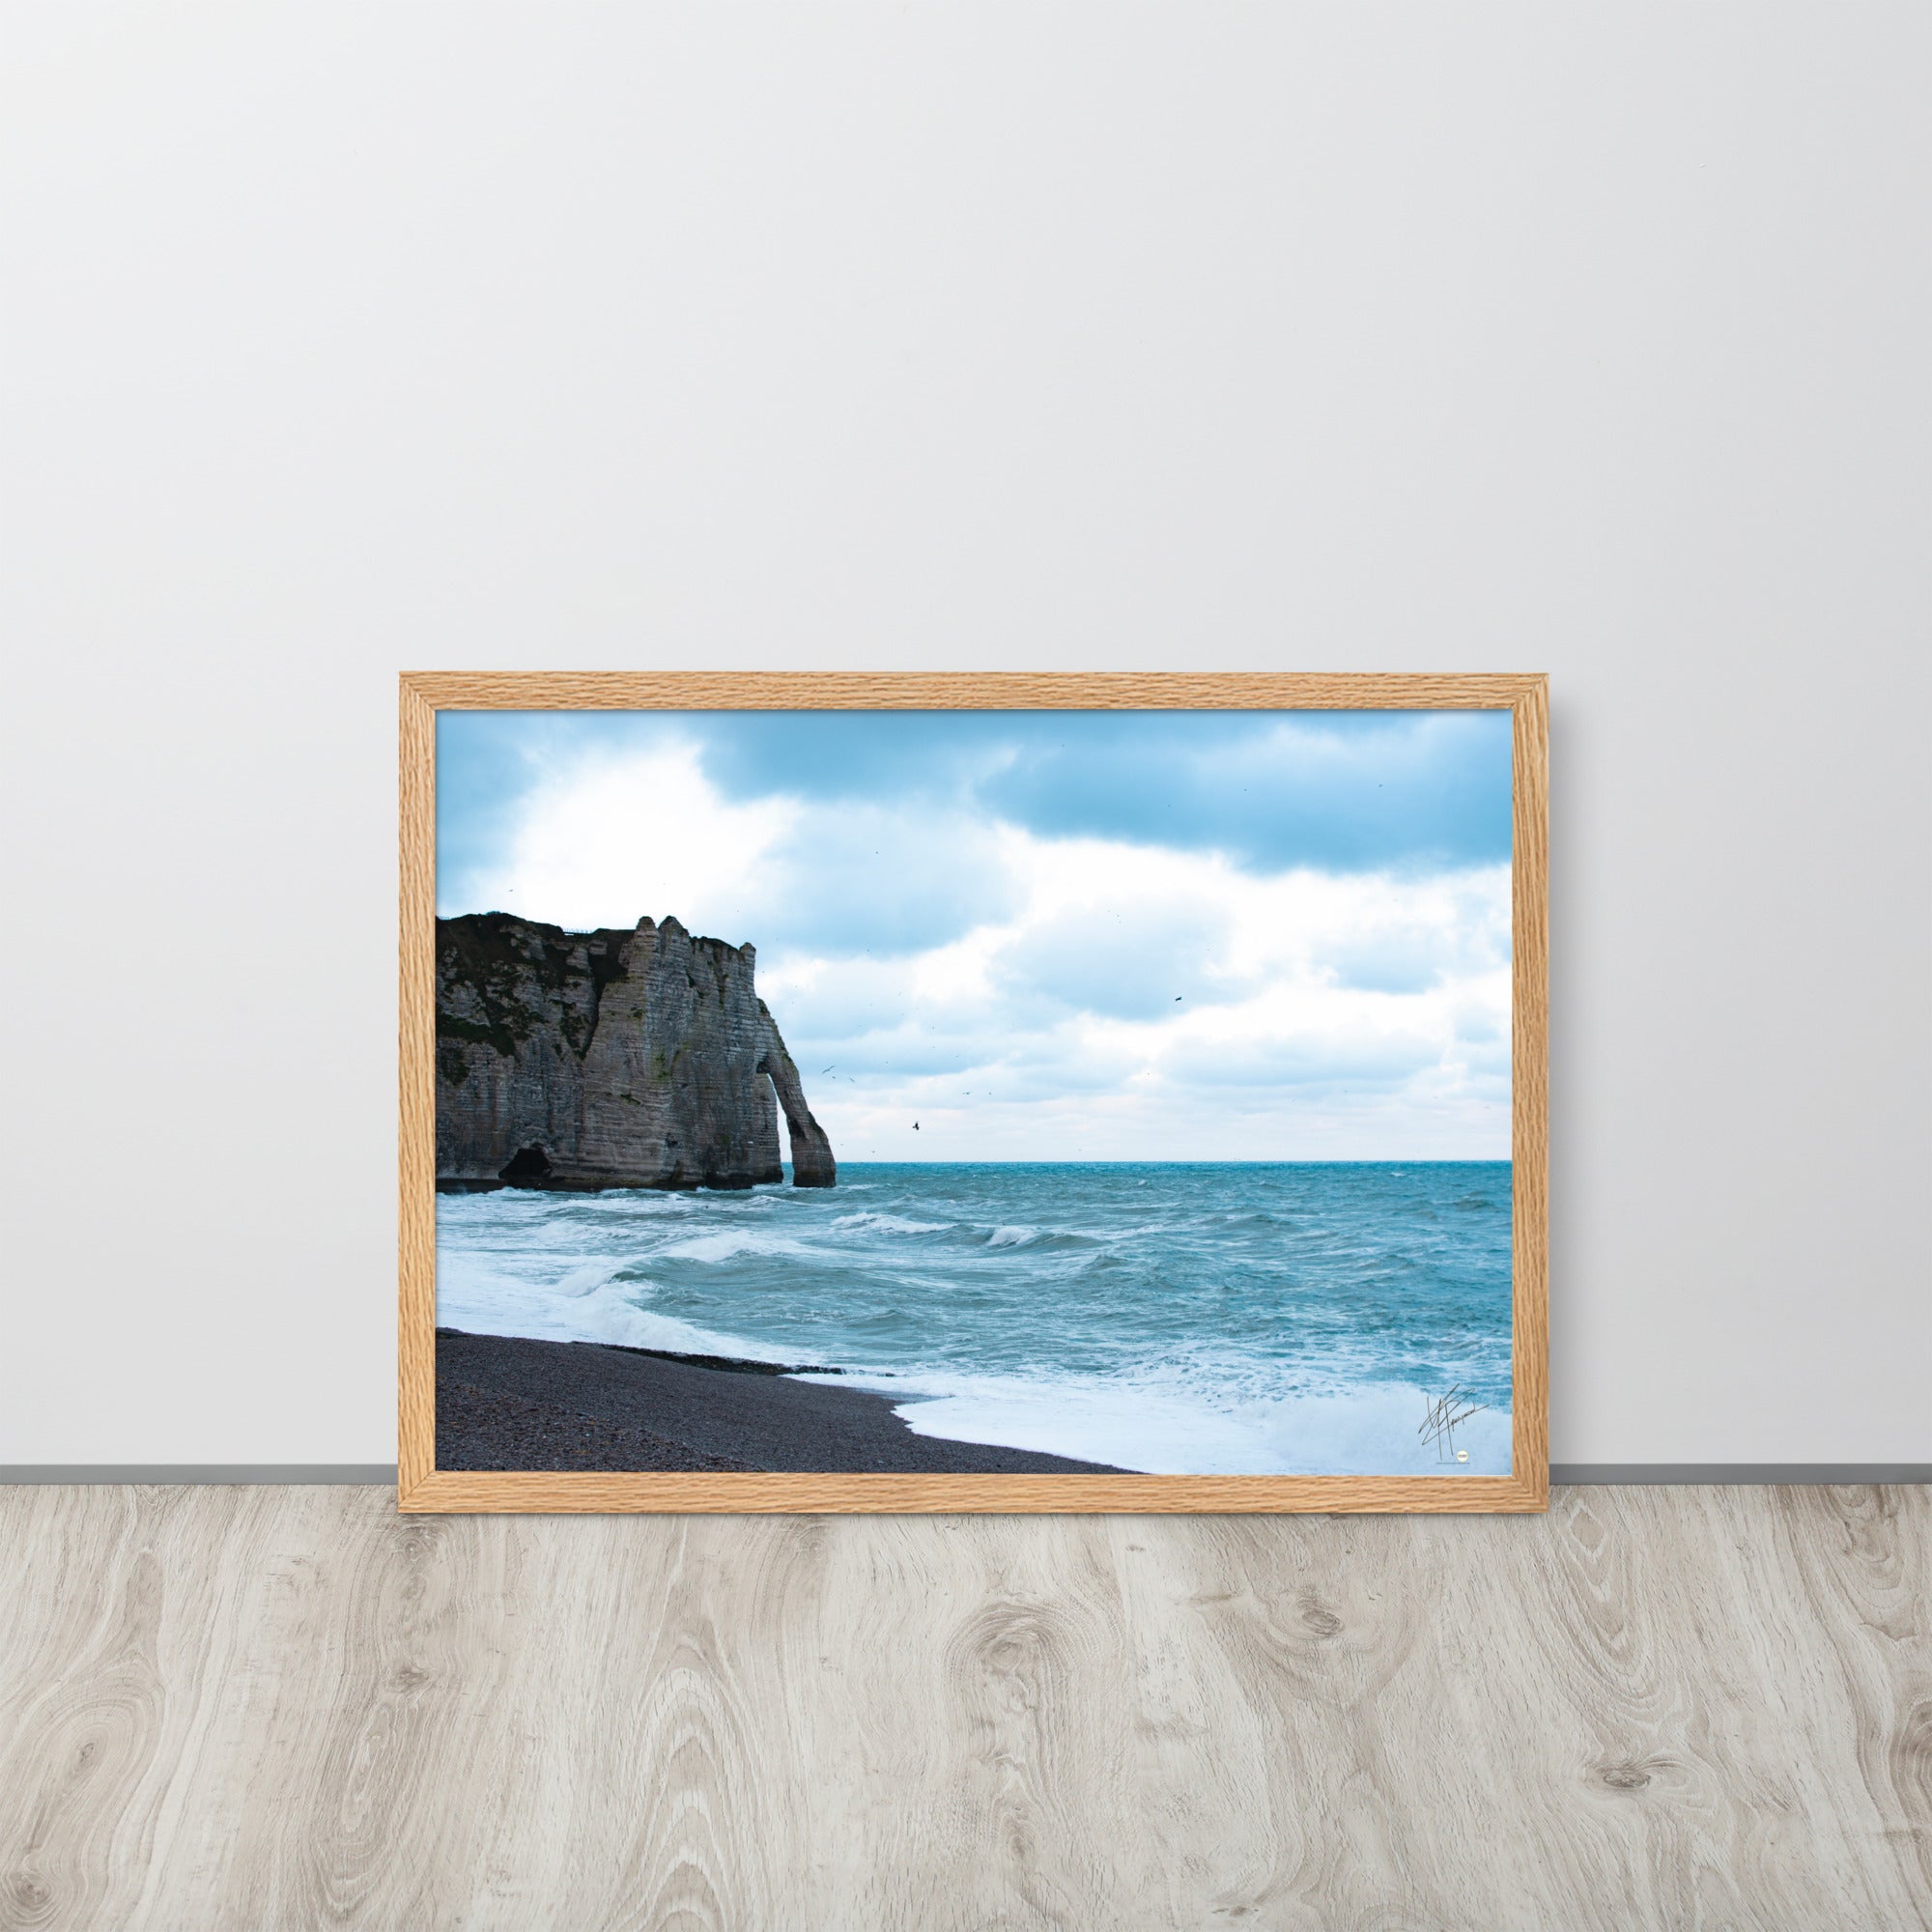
424,1488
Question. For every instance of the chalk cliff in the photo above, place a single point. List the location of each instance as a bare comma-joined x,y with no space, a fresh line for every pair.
610,1059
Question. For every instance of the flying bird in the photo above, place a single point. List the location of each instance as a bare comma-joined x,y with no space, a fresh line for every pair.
915,1126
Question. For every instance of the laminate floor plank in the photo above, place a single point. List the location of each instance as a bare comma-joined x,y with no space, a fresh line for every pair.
253,1708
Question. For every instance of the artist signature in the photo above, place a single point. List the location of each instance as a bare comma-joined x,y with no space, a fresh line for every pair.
1441,1419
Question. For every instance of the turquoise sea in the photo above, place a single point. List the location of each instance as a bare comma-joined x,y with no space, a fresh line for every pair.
1174,1318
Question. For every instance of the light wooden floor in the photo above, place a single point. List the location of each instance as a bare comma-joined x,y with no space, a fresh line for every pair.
276,1708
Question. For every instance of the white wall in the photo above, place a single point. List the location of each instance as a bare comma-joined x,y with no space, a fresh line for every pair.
340,339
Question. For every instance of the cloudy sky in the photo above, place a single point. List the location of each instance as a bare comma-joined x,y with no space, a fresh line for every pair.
1049,935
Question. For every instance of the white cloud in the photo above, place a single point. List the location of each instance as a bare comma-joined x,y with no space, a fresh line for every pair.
1028,997
1044,1036
608,840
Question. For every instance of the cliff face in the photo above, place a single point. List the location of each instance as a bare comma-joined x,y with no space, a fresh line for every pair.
610,1059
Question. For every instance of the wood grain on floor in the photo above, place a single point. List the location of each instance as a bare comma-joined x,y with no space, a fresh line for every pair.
291,1708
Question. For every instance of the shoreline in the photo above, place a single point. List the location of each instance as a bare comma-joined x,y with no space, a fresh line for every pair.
510,1403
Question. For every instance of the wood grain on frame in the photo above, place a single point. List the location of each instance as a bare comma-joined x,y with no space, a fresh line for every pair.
420,1486
1529,1098
415,1041
965,691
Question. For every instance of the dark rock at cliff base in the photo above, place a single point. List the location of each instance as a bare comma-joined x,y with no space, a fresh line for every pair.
610,1059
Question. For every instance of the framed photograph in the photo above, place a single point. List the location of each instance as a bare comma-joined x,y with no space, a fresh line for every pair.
997,1093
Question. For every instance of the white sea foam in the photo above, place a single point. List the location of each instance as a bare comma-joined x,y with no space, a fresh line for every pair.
588,1278
887,1223
485,1301
1010,1238
730,1243
1161,1429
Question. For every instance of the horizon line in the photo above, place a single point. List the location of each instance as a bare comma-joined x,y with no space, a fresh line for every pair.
1376,1161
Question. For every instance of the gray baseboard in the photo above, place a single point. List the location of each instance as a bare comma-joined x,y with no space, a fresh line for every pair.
118,1473
1751,1473
384,1474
